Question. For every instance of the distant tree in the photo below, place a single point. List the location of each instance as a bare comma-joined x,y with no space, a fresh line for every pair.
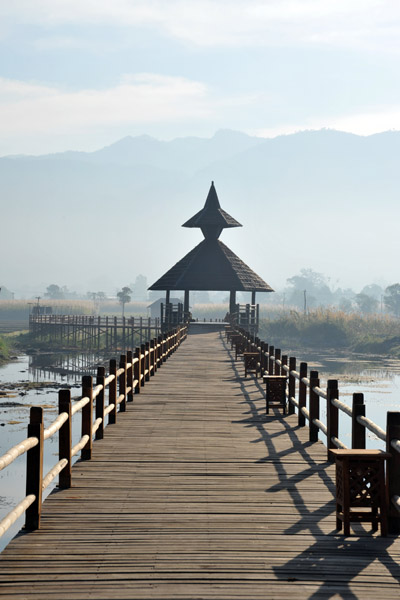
139,289
392,298
124,297
366,304
345,305
316,285
374,290
54,292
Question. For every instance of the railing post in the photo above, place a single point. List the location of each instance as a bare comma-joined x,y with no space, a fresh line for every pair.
143,363
277,357
263,360
152,349
137,370
112,393
393,469
292,384
302,394
147,361
159,351
270,361
100,402
314,406
332,416
65,439
122,383
87,416
357,430
34,469
129,375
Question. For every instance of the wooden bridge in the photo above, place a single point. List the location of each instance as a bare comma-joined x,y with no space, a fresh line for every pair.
193,493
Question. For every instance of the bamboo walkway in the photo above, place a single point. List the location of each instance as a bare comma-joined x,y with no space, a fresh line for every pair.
195,493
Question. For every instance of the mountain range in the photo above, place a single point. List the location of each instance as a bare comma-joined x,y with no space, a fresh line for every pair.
322,199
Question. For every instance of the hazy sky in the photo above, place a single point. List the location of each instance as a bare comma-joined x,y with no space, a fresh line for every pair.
79,74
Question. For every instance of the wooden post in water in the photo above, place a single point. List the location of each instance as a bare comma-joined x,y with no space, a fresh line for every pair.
65,439
302,394
314,406
112,392
292,384
34,469
393,469
87,416
332,416
357,430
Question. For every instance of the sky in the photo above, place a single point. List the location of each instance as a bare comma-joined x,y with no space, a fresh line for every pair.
80,74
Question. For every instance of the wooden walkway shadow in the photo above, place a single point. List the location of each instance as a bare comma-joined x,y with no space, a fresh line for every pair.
195,493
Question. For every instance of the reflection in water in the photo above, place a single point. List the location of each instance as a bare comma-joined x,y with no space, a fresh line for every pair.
63,367
34,381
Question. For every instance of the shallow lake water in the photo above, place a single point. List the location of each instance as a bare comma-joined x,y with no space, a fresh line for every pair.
377,378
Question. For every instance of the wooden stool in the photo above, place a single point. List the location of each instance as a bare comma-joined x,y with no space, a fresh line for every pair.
360,483
240,344
275,392
251,363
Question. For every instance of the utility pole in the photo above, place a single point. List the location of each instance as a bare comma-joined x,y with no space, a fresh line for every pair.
305,302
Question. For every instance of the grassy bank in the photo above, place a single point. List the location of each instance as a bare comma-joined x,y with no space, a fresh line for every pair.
326,328
4,350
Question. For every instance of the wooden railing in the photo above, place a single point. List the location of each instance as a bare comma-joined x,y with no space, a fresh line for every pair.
133,371
94,332
304,394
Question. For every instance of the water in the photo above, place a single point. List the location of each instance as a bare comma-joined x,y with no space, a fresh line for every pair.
377,378
27,384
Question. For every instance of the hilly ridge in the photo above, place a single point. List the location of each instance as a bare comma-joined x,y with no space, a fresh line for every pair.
55,206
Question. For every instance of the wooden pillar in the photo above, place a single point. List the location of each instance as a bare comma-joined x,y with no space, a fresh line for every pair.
253,298
302,393
357,430
64,439
186,304
232,302
314,406
112,392
87,416
393,469
34,469
332,416
100,379
292,384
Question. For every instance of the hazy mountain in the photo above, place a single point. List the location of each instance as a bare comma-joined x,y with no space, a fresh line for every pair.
321,199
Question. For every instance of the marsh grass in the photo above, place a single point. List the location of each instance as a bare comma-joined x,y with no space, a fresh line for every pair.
329,328
4,350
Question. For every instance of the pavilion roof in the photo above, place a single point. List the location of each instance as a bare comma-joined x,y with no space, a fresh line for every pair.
211,266
212,214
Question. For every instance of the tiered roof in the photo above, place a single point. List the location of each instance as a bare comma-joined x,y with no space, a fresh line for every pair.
211,265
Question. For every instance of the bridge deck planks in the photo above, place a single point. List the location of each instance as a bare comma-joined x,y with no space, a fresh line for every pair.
195,493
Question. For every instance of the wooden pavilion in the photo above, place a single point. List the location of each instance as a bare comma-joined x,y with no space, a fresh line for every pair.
211,265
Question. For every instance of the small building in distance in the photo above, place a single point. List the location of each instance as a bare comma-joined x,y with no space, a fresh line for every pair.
155,307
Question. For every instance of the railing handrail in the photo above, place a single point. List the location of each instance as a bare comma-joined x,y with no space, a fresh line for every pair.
159,351
271,361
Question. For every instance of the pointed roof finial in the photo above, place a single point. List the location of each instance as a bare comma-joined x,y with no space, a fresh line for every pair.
211,218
